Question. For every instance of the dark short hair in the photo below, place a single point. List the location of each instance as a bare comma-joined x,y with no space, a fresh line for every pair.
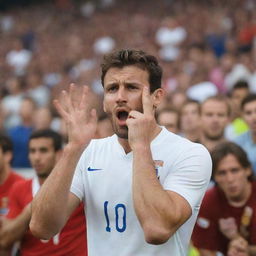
6,143
48,133
127,57
225,148
241,84
220,98
249,98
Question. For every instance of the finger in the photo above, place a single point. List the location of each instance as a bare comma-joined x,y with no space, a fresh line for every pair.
93,116
85,97
147,101
74,95
134,114
60,110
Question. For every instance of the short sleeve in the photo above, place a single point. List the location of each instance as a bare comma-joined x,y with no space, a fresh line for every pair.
190,175
77,185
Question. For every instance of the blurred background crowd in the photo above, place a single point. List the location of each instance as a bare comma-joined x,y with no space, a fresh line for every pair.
206,48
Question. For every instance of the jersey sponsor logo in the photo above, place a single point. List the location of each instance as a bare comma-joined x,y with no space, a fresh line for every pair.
89,169
203,223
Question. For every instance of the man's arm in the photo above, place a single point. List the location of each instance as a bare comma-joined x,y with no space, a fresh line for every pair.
54,202
160,212
12,230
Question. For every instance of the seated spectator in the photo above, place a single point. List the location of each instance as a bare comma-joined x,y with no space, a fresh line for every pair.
45,148
168,117
214,115
248,139
228,209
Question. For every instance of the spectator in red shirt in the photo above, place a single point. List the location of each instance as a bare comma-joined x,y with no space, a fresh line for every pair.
7,177
44,150
227,218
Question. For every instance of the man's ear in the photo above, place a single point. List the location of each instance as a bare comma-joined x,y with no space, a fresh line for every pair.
157,96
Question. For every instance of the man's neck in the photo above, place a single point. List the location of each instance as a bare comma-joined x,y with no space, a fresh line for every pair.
241,201
210,144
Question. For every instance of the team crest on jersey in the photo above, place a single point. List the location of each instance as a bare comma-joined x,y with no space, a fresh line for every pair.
158,164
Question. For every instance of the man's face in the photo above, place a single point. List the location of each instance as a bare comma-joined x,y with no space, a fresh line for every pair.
42,156
214,118
232,178
123,93
169,120
249,115
190,118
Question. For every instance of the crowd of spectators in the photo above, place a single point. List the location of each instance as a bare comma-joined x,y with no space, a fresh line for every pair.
206,49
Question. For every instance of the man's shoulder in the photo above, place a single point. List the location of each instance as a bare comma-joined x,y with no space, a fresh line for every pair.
101,144
179,142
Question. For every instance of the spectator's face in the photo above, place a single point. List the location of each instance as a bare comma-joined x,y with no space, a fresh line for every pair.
122,93
232,178
190,117
169,120
27,109
42,156
249,115
214,118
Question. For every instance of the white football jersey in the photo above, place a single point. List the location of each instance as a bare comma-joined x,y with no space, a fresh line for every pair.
103,180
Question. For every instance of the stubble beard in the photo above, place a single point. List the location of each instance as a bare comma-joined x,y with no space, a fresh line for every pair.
214,137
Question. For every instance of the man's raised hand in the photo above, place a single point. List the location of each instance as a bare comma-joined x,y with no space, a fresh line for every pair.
80,119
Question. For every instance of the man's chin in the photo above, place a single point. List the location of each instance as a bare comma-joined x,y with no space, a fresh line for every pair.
122,133
42,175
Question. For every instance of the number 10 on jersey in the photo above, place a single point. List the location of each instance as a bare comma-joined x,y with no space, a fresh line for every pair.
120,217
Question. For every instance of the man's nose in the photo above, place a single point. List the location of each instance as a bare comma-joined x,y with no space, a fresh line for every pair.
121,95
230,177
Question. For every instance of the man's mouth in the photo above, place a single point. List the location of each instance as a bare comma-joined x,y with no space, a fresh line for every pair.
122,116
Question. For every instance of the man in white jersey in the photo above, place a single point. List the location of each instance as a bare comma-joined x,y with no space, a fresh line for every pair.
142,187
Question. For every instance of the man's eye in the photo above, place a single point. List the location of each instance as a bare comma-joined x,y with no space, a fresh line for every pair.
112,89
132,87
